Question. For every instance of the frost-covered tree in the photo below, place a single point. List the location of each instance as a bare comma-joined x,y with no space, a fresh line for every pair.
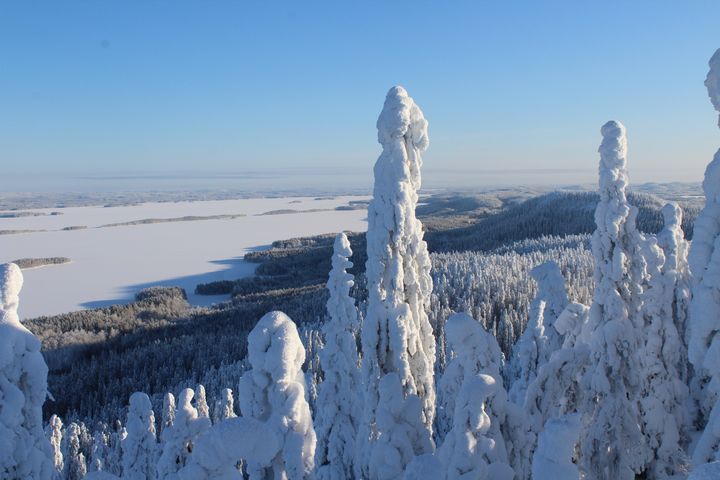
24,450
224,407
75,464
472,387
397,338
273,392
53,431
476,353
704,313
336,419
613,446
99,452
140,446
179,439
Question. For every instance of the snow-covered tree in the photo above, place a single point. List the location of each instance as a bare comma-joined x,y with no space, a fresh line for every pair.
704,313
397,338
555,455
613,446
180,437
336,420
224,407
53,431
217,452
476,353
201,403
75,464
168,415
140,446
475,446
25,452
663,396
273,392
528,355
99,452
551,300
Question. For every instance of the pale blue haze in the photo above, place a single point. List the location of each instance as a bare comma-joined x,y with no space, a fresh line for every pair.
97,87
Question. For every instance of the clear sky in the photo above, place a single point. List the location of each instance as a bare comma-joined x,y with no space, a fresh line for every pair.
95,87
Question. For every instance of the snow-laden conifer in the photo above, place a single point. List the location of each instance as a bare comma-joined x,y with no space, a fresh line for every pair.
178,440
24,450
53,431
273,392
336,419
476,353
664,394
140,446
612,444
224,407
168,415
528,355
554,458
397,338
704,313
201,403
75,464
475,446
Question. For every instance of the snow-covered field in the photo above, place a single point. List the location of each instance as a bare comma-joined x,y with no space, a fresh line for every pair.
110,264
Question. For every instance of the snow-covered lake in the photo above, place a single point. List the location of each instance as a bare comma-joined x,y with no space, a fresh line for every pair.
110,264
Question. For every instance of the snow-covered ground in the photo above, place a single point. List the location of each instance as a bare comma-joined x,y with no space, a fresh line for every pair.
109,265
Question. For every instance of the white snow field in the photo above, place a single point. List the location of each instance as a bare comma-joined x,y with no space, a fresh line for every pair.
110,264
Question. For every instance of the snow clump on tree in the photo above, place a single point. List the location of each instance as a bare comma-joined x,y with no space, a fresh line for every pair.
555,454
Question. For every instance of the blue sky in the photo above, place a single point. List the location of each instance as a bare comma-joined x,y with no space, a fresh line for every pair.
93,87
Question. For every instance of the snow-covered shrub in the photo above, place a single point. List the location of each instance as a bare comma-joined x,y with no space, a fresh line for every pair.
612,443
273,392
140,446
24,450
336,419
397,338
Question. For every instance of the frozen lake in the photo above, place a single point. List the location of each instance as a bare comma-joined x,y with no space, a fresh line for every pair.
110,264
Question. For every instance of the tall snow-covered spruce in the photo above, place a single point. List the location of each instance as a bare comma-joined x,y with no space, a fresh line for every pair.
704,313
612,443
25,452
337,418
397,338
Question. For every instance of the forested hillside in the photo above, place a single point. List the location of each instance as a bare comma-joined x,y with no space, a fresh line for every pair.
161,344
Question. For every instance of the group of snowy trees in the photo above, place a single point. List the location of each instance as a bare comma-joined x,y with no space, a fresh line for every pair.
608,390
